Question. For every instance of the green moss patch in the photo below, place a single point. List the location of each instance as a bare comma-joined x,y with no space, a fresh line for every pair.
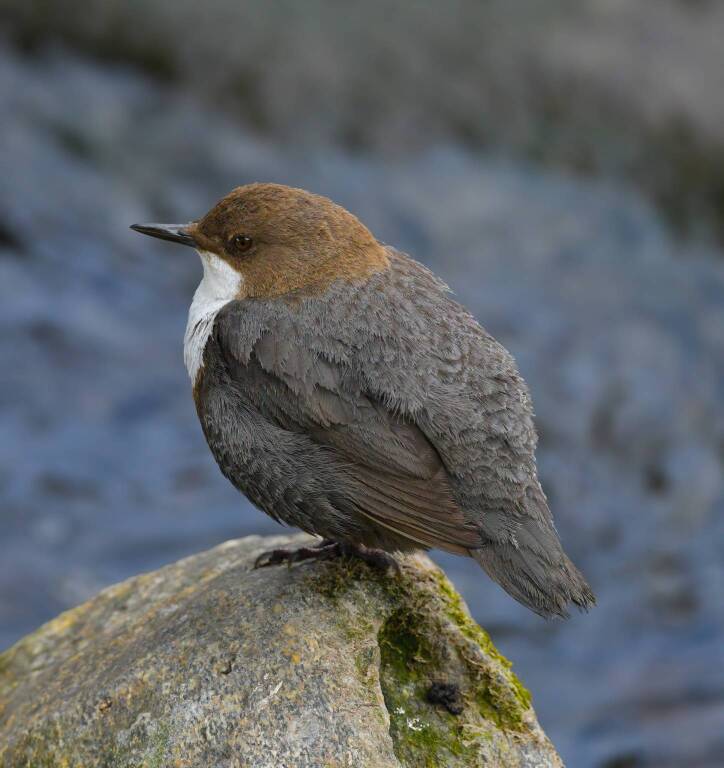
470,629
422,734
430,639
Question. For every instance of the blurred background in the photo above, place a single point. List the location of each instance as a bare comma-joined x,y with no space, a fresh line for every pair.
559,164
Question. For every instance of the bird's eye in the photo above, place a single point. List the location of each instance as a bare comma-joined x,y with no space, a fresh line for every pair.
240,243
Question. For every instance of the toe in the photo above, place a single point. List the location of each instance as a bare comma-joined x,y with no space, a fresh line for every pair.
270,557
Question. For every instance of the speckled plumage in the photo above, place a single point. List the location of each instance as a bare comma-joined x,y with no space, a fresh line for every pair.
345,392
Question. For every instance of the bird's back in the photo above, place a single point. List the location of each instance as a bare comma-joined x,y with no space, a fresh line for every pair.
413,417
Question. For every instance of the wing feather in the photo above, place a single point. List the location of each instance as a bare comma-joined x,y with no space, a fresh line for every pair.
399,480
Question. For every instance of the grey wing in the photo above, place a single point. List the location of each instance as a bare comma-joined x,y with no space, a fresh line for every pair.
397,479
465,394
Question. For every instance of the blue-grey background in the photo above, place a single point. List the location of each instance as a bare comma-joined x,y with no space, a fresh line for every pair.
560,165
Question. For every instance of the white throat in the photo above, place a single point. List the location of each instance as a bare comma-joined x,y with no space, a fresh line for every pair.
219,285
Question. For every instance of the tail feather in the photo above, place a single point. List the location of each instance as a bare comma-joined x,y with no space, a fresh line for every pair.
531,565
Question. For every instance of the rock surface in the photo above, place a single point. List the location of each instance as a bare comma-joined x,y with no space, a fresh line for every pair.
207,662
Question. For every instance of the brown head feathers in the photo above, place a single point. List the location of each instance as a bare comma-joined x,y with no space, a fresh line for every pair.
284,240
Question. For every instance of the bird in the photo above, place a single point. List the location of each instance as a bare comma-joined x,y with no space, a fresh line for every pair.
344,391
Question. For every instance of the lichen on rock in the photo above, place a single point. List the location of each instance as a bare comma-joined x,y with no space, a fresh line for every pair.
209,662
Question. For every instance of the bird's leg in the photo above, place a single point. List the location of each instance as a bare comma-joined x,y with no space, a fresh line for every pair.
376,558
324,550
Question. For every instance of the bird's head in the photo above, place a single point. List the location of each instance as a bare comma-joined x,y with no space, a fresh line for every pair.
268,240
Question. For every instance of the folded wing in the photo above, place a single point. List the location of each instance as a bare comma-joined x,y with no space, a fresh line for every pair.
400,483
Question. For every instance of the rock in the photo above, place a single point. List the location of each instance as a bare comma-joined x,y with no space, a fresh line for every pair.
207,662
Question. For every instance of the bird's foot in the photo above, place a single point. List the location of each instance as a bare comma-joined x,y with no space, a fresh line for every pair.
325,550
322,551
375,558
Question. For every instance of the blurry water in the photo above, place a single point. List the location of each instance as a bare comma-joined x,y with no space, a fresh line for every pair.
619,331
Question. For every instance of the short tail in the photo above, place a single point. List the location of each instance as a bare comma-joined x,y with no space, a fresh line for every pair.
530,564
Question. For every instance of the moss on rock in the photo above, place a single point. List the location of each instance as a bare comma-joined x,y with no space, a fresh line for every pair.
430,640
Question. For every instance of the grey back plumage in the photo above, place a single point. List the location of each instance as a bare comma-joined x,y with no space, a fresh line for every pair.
389,417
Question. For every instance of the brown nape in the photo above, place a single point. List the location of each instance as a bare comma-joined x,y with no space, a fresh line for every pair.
301,242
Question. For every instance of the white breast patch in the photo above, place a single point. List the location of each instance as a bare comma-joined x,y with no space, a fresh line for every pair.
220,284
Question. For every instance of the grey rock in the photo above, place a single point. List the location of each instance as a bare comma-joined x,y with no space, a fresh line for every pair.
207,662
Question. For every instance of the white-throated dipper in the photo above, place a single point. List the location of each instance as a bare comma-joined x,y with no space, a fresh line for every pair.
342,389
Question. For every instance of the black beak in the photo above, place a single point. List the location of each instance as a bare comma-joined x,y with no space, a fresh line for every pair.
176,233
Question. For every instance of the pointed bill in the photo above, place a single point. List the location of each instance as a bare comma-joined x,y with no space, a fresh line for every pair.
175,233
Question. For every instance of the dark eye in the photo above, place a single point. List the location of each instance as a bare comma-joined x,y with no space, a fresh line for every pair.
240,243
